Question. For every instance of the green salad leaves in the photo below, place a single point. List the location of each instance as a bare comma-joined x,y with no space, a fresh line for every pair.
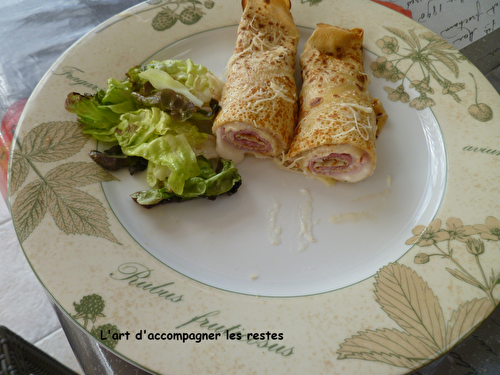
209,183
152,115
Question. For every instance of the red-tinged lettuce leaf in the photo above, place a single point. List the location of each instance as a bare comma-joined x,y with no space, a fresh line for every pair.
114,159
177,105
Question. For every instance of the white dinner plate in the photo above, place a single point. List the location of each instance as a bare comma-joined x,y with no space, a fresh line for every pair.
401,266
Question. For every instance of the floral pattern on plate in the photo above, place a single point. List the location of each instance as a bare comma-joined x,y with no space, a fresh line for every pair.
420,60
408,300
73,210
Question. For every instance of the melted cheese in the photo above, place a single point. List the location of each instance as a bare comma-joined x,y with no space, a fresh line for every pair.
340,89
303,162
365,171
350,217
374,195
305,215
273,230
227,150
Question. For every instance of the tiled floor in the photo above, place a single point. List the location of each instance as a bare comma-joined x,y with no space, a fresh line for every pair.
30,313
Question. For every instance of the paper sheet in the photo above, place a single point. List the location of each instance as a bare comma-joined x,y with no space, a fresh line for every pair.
459,22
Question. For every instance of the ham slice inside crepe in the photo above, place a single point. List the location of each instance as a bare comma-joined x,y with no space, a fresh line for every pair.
247,140
343,167
236,139
340,162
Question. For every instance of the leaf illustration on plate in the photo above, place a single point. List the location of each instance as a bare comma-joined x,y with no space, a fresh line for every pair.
415,38
78,174
468,316
74,211
19,171
393,347
464,277
400,33
29,208
409,301
436,42
53,141
311,2
446,59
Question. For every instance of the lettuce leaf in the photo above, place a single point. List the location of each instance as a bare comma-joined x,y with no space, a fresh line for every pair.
152,134
162,80
146,115
196,78
209,183
182,89
177,105
100,113
114,159
97,120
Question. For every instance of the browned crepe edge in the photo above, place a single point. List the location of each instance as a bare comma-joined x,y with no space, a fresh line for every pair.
279,122
340,51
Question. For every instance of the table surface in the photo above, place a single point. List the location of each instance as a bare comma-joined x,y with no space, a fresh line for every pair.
39,31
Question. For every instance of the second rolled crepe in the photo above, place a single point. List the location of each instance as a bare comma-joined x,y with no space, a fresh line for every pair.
338,119
259,100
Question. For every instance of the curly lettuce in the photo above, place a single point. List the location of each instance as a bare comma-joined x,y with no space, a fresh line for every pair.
152,134
146,115
183,90
209,183
196,78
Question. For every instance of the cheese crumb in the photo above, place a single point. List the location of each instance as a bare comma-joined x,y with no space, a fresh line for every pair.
350,217
306,216
273,230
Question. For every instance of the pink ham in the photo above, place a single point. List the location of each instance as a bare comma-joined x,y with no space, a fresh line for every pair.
338,165
246,140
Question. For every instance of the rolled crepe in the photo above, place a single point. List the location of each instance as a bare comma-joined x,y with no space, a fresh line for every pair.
338,119
259,100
